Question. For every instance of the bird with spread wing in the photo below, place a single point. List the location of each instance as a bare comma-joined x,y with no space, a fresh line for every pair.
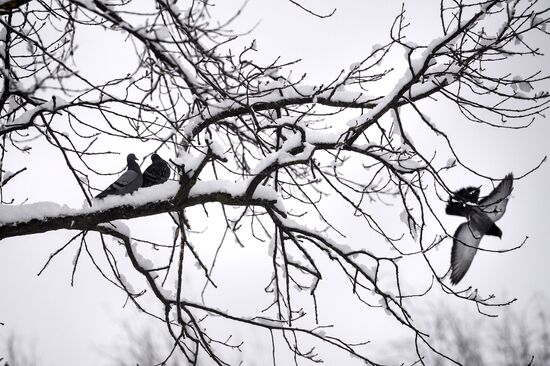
481,216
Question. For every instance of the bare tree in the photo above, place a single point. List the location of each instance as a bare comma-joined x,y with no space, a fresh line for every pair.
143,347
516,338
18,353
269,150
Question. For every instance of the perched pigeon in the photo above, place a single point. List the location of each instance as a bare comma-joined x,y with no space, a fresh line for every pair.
481,221
156,173
127,182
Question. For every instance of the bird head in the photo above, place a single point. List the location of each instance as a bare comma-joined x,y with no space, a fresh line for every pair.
131,157
460,202
155,157
466,195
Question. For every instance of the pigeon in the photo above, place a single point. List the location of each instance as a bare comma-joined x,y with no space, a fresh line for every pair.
481,216
156,173
128,182
462,203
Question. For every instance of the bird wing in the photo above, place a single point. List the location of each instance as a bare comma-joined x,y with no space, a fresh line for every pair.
156,173
494,205
124,184
465,243
165,172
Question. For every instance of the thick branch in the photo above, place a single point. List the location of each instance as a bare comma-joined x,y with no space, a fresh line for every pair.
87,218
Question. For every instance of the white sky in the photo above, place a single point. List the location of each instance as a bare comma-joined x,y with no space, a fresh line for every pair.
67,324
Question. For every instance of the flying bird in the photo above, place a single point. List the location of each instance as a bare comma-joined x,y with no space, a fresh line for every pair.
464,202
482,215
156,173
128,182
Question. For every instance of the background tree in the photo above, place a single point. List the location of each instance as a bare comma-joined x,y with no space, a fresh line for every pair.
259,157
18,353
516,338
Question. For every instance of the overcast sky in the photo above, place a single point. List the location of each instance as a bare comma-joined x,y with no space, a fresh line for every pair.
70,325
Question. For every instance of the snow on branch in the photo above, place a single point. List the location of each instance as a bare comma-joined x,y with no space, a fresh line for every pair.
41,217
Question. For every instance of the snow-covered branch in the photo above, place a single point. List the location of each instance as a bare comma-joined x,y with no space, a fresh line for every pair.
40,217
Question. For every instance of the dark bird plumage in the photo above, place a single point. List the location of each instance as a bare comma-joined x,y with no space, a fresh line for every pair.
156,173
481,217
468,194
464,201
128,182
459,203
